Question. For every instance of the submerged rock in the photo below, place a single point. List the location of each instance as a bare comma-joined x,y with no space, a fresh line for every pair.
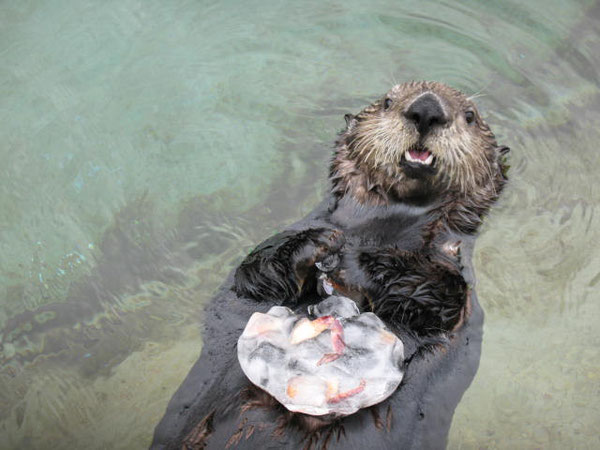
336,363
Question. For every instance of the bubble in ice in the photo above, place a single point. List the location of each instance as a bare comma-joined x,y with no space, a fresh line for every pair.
335,362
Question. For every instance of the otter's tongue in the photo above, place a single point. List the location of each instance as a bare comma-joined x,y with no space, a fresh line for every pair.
421,155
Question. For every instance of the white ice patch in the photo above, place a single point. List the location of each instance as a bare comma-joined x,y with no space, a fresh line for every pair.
337,363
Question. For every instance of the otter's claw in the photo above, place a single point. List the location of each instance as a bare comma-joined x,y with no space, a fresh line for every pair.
331,241
329,263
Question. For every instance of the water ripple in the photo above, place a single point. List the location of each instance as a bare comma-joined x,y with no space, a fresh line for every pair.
149,145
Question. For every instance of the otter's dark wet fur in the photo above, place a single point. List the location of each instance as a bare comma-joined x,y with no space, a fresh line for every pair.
394,235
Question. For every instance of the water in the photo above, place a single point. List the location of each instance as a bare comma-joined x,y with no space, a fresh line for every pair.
148,145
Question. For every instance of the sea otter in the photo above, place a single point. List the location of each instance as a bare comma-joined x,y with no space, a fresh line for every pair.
412,177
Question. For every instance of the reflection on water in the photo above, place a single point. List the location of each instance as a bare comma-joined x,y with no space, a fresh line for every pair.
149,145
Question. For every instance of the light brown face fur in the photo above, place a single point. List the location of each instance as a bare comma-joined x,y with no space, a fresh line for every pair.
370,161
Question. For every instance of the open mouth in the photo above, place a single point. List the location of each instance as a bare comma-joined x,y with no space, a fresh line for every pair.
419,155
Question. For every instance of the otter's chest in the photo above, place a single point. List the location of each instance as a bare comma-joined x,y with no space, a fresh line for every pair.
398,226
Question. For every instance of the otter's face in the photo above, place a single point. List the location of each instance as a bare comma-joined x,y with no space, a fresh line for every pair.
422,138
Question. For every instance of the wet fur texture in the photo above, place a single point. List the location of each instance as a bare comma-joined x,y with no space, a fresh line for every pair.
393,236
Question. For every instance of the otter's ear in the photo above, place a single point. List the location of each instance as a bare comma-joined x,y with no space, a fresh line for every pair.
349,119
503,150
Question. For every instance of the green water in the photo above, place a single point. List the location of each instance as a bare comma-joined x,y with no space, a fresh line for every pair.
148,145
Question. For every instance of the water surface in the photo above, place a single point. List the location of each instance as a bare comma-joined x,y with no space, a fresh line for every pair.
147,146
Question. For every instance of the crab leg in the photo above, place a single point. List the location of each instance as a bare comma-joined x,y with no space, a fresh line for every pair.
337,342
328,357
344,395
337,336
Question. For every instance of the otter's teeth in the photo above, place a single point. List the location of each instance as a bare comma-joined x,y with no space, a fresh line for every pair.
426,162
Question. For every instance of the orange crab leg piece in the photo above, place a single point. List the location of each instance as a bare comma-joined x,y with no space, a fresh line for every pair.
337,342
344,395
337,336
328,357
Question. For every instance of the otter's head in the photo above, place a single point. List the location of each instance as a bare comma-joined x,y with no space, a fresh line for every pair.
422,140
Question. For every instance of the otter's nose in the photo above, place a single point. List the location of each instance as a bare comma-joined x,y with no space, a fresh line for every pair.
426,112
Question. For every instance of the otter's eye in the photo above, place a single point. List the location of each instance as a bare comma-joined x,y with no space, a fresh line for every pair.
469,116
387,103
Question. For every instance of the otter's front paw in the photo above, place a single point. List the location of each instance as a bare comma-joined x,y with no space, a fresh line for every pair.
283,268
327,255
322,251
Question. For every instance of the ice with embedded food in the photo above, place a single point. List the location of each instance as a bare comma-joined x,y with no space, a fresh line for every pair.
332,361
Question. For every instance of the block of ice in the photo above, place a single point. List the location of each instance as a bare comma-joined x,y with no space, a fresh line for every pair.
335,362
